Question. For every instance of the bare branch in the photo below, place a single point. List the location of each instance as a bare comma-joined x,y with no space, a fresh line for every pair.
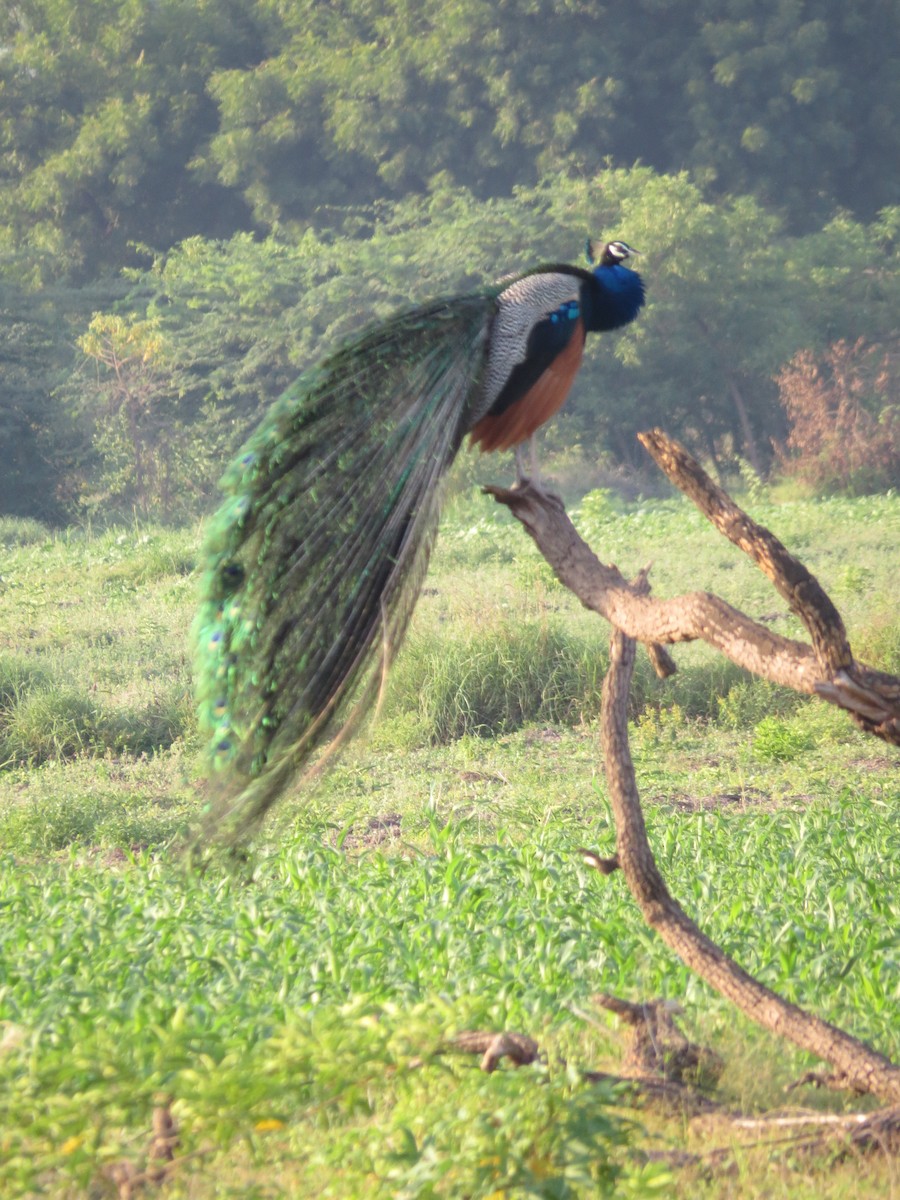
792,580
605,866
517,1047
871,697
691,617
522,1050
863,1067
826,669
658,1047
660,659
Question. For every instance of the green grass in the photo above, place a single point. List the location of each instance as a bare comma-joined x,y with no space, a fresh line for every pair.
294,1010
93,655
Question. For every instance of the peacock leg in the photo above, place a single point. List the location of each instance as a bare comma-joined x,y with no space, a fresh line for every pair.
523,475
535,465
521,470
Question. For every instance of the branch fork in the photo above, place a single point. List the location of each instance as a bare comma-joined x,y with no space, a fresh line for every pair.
825,667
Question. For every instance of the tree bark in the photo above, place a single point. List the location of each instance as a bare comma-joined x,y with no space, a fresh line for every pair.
861,1067
746,428
825,668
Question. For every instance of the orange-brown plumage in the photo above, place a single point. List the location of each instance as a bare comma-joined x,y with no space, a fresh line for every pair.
517,423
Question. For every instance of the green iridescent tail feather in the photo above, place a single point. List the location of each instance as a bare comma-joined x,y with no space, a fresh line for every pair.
313,564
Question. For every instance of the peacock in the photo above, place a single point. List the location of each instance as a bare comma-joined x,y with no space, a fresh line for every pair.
313,564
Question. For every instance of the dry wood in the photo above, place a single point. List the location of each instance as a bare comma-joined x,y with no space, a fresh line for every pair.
801,1121
164,1143
792,580
863,1067
821,1079
517,1047
523,1050
658,1047
605,866
861,1131
871,697
826,668
161,1160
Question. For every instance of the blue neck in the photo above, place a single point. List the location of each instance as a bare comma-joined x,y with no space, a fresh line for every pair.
612,298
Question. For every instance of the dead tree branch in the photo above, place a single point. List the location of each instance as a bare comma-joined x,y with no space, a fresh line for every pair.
871,697
826,668
517,1047
863,1067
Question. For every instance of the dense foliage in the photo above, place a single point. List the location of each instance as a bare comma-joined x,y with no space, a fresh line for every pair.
731,299
273,173
126,120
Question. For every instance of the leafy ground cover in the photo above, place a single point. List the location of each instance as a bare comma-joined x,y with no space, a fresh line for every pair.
293,1013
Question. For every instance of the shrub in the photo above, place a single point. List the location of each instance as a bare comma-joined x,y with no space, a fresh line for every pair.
845,432
22,531
775,740
506,674
49,724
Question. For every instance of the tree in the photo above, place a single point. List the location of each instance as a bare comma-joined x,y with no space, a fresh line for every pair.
786,100
793,102
355,103
37,438
844,422
104,108
731,298
129,123
150,459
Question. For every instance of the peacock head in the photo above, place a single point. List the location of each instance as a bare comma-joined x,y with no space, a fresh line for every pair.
608,254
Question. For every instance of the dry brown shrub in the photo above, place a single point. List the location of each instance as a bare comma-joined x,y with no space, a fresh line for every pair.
844,418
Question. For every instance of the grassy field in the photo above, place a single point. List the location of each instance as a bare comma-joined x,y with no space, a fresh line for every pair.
293,1014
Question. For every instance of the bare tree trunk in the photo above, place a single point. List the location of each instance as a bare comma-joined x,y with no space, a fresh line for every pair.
861,1067
746,428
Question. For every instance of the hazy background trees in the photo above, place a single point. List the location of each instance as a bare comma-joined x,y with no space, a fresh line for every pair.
235,185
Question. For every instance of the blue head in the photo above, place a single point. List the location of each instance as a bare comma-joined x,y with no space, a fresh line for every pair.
618,292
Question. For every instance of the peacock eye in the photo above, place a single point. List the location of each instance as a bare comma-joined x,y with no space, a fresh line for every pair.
232,576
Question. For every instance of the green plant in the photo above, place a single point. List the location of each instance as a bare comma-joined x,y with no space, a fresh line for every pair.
296,1011
495,676
774,738
22,531
50,723
754,484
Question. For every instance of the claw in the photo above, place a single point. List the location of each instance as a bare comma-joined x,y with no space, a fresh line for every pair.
521,472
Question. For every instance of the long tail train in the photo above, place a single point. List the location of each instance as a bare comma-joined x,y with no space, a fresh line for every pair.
314,562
